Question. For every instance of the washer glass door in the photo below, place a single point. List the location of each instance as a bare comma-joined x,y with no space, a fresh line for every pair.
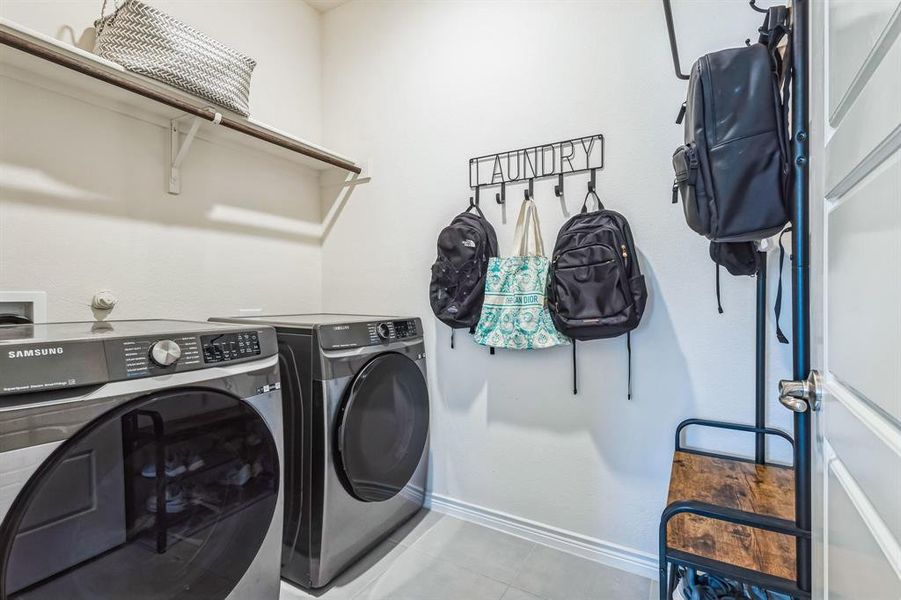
383,427
167,496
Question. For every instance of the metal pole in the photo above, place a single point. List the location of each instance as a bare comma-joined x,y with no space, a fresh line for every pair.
801,283
760,389
671,30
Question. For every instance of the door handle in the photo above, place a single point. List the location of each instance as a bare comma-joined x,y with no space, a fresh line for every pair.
798,396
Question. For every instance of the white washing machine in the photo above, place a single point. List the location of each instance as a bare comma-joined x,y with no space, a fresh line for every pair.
140,459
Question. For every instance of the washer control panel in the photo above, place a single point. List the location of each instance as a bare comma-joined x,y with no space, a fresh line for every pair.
143,357
230,346
96,355
372,333
146,357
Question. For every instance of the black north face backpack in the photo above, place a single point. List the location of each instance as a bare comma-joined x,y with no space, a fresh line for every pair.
457,288
733,170
595,288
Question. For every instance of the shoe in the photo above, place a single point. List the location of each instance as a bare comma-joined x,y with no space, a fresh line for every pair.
237,476
175,501
234,445
194,462
174,467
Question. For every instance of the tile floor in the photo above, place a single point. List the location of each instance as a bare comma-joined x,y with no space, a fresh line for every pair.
437,557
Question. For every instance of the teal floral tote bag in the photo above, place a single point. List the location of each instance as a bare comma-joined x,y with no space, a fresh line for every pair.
514,313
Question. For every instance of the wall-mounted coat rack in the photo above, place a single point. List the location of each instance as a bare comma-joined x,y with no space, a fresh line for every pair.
558,159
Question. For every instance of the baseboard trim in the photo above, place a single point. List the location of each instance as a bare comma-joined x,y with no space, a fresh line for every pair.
606,553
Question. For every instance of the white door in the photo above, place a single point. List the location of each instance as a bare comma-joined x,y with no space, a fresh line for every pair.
855,206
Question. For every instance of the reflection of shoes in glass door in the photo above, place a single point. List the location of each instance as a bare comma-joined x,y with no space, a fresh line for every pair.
175,501
174,467
194,461
237,476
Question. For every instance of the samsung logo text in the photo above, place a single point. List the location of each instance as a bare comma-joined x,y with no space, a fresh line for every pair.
35,352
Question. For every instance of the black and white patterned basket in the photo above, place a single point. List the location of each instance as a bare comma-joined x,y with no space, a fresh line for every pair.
148,41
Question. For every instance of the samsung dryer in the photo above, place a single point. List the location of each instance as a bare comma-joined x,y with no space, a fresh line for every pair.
356,431
139,459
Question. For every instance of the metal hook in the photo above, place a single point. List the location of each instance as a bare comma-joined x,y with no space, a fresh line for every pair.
501,197
592,184
477,195
756,8
558,189
671,30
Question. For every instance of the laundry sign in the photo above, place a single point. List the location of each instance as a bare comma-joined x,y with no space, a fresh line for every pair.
576,155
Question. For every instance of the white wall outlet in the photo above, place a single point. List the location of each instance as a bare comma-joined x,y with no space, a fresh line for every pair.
31,305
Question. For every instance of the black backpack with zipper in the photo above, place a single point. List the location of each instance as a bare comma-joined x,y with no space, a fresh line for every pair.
595,288
733,169
457,288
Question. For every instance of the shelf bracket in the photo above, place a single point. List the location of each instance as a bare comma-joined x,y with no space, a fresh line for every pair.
178,148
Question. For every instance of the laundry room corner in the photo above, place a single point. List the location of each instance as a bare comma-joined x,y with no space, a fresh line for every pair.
512,447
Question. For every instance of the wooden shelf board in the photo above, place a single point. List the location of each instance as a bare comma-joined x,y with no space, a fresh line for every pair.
39,60
761,489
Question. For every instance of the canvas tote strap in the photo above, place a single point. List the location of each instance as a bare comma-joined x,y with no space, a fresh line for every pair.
519,231
528,230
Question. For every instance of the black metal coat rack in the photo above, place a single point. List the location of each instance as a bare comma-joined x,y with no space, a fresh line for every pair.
557,159
800,529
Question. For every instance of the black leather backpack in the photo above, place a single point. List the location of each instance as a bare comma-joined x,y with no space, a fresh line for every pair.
733,170
457,288
595,288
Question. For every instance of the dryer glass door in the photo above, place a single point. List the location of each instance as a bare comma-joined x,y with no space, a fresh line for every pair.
383,427
166,496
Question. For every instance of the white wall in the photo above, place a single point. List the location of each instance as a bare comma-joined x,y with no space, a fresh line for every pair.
83,202
419,87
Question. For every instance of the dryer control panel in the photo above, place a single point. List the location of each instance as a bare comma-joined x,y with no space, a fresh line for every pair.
373,333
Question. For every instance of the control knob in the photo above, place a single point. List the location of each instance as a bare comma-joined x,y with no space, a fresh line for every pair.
165,353
383,331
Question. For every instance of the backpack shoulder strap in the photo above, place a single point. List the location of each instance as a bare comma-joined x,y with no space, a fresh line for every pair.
778,307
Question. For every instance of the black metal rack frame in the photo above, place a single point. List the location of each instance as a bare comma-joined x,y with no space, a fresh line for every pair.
800,529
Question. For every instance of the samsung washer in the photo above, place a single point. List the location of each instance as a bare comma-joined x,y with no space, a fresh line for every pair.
140,459
356,435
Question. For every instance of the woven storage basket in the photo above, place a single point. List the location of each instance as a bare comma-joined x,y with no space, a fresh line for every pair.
148,41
